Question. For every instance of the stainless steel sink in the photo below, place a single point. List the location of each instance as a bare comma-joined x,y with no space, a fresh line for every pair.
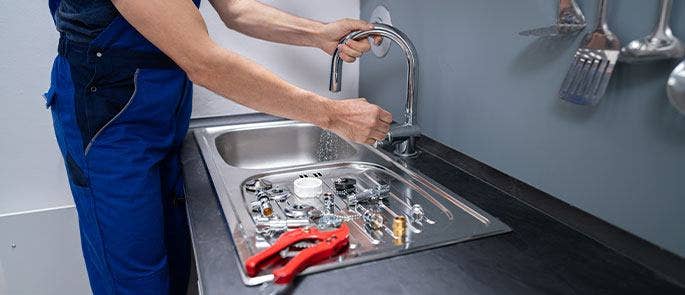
280,152
268,147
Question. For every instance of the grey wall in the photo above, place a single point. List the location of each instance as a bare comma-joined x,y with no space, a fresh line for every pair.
491,94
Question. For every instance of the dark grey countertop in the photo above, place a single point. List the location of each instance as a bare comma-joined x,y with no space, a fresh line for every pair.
540,256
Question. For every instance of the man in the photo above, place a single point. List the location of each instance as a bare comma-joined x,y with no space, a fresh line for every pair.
120,99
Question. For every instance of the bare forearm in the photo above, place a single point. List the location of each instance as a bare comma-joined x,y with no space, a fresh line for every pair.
262,21
217,68
177,28
247,83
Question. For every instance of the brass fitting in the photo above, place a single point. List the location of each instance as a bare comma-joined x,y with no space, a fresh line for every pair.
399,226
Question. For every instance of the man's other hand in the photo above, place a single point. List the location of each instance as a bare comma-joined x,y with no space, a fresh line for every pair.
331,33
358,120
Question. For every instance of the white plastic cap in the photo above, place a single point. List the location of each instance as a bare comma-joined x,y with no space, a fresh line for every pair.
308,187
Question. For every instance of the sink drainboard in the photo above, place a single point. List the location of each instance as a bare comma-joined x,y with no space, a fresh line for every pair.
433,216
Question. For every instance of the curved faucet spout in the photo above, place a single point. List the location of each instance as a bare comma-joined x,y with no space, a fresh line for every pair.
406,148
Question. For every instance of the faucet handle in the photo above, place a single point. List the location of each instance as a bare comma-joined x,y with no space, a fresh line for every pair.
397,133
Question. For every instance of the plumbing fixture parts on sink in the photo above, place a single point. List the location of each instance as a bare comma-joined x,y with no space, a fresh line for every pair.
279,194
369,195
307,188
299,210
373,220
265,204
660,44
351,170
262,204
329,221
345,186
417,213
405,147
254,185
270,226
328,202
399,225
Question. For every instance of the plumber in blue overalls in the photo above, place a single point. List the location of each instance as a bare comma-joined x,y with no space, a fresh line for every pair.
120,98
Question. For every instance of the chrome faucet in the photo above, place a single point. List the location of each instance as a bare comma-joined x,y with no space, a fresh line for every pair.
403,136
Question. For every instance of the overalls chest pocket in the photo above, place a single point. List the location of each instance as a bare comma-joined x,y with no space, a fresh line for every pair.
147,114
105,97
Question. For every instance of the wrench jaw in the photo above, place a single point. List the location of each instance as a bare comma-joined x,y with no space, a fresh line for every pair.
328,244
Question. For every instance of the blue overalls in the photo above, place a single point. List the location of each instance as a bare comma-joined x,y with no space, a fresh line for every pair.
120,110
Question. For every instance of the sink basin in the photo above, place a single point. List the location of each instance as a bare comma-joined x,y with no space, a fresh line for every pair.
281,146
277,153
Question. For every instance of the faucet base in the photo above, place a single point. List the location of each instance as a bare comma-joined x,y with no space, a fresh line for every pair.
406,148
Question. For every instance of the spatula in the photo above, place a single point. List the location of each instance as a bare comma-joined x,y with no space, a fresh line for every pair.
593,64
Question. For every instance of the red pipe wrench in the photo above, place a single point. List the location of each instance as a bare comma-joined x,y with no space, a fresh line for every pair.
328,243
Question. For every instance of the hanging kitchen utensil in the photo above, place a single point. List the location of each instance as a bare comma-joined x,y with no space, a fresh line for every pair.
675,87
660,44
570,19
589,74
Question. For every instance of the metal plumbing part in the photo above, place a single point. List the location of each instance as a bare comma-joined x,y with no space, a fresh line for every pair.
262,204
278,225
369,195
417,212
279,194
372,219
328,202
254,185
399,226
405,147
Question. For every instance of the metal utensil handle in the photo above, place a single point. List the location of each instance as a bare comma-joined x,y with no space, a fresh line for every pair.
602,14
664,16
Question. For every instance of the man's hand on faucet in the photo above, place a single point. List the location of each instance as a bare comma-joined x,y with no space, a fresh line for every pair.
358,120
354,119
330,34
180,32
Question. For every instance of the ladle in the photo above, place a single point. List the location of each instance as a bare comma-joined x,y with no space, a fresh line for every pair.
661,44
675,87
